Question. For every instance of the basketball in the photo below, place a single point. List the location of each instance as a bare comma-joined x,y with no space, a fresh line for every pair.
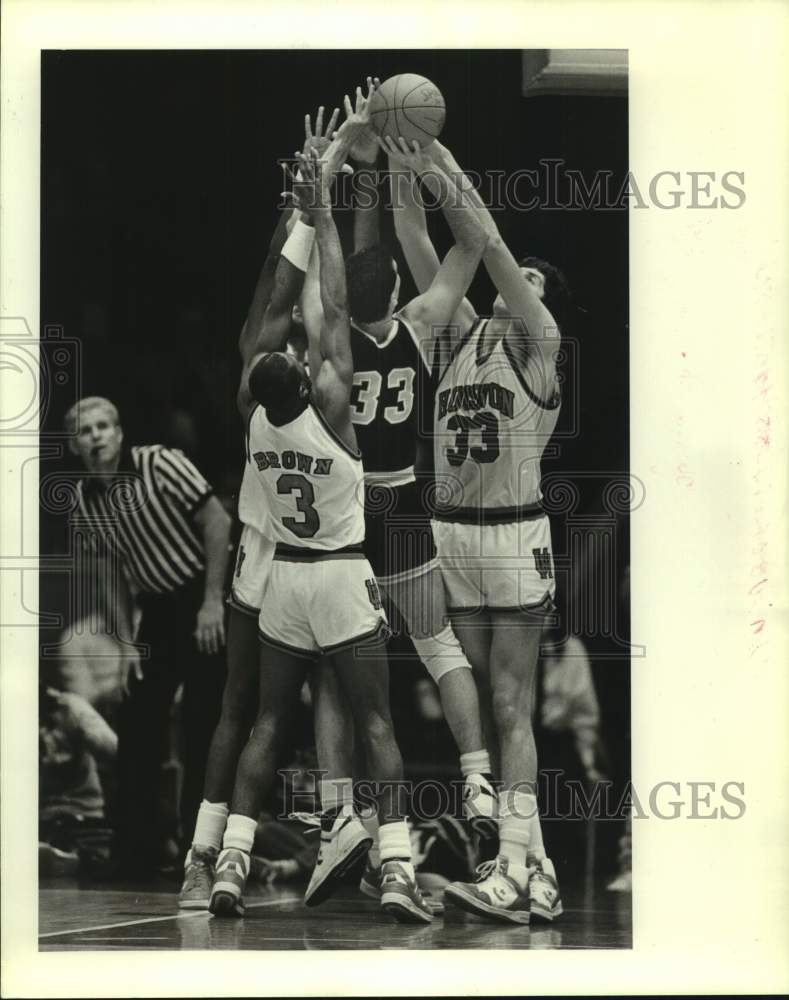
410,106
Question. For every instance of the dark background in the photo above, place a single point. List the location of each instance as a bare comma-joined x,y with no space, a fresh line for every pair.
159,194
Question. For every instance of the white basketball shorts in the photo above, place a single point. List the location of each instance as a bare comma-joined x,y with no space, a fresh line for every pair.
496,567
321,602
250,575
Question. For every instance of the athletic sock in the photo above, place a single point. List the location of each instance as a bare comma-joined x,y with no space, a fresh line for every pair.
536,850
441,653
240,832
395,844
477,762
337,793
514,827
210,825
369,821
520,874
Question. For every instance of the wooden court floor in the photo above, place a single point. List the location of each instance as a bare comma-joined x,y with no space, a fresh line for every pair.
80,917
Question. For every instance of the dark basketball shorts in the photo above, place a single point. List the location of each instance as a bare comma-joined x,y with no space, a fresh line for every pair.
398,537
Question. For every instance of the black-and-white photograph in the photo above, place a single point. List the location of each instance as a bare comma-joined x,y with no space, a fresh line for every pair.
334,500
393,420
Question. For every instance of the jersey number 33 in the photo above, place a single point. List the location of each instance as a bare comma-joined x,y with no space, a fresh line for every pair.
366,393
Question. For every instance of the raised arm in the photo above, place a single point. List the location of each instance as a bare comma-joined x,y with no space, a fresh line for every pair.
357,141
333,380
538,330
272,334
265,283
434,308
364,154
312,310
412,234
281,278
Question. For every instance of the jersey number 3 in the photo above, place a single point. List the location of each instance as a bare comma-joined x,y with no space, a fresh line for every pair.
364,403
305,498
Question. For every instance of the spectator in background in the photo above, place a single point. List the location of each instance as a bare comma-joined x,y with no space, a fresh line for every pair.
158,517
90,666
568,701
72,736
567,733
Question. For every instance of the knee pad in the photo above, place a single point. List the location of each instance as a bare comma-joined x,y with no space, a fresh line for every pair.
440,658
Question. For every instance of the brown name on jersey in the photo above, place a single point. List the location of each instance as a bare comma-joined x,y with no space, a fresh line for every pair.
293,460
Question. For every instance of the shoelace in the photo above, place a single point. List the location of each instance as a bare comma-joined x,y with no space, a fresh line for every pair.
485,869
201,876
312,820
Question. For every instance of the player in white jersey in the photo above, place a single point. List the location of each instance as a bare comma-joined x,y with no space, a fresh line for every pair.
252,564
321,596
495,406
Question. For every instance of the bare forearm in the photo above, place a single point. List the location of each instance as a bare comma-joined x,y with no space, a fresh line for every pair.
409,212
100,738
446,161
411,227
312,310
265,283
467,229
332,285
216,546
366,228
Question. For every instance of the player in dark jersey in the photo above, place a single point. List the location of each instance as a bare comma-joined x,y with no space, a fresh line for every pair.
390,374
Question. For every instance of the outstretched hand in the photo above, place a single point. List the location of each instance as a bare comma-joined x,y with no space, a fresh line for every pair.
355,127
365,146
312,183
321,139
413,157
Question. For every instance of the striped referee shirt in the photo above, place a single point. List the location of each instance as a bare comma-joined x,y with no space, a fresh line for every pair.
146,511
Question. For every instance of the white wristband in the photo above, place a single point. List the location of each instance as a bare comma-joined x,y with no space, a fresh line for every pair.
298,246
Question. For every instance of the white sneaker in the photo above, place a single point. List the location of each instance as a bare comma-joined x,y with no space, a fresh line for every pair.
344,841
546,903
495,894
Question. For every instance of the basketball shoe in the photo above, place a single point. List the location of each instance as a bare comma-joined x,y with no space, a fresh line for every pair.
370,885
343,843
401,896
495,893
546,903
198,879
232,872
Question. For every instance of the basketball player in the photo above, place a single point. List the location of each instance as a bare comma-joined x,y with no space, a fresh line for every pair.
496,405
253,561
321,596
390,376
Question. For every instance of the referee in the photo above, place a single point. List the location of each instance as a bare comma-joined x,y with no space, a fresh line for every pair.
170,537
